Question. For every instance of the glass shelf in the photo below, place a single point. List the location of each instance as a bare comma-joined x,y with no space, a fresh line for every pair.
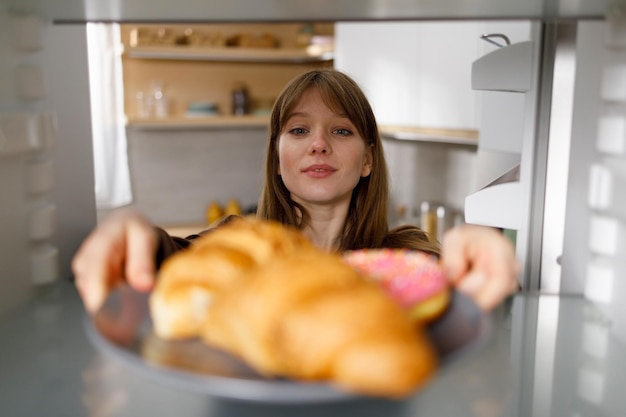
306,10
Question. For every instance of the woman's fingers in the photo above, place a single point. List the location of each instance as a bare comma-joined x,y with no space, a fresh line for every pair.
121,248
96,267
493,293
141,244
454,259
481,263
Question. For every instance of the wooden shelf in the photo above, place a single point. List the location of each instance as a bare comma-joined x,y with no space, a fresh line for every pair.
233,54
418,134
209,122
413,134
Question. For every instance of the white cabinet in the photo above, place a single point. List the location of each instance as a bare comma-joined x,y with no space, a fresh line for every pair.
414,73
419,73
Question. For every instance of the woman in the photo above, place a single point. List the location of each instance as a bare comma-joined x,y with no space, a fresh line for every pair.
325,163
325,174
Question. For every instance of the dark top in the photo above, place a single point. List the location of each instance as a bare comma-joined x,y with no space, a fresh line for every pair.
168,245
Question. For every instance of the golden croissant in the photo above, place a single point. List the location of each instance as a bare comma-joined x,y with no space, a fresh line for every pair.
291,310
190,279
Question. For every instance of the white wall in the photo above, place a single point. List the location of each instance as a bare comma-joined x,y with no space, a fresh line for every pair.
176,174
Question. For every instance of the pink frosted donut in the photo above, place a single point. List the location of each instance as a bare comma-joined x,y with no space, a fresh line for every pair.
414,279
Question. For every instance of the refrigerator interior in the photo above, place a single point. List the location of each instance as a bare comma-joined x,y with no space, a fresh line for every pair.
46,166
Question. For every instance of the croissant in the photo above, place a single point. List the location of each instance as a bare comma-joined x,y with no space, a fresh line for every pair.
310,316
263,293
189,281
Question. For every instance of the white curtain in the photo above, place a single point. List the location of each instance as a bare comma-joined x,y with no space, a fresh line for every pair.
112,175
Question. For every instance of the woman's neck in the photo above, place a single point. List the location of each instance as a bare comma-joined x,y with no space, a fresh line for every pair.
325,226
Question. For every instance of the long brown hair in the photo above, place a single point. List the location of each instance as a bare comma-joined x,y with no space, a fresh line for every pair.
366,223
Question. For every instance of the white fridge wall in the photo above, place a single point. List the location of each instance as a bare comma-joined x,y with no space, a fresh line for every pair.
593,261
65,60
15,287
50,168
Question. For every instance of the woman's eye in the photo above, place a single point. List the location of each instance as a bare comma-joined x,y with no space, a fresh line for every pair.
298,131
343,132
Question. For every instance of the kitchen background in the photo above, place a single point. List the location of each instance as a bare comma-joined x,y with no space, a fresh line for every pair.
179,165
172,168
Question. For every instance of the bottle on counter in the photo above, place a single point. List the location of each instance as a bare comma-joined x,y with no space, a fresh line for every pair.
158,103
241,100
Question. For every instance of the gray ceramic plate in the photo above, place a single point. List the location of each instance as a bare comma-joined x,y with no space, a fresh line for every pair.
122,329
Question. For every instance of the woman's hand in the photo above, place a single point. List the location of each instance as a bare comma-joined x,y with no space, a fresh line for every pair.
121,248
481,263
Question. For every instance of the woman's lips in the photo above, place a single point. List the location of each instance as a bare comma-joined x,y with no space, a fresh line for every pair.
319,171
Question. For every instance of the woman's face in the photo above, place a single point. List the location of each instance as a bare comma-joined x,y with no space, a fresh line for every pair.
321,154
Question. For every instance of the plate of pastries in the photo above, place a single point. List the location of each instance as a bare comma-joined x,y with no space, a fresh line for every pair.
253,311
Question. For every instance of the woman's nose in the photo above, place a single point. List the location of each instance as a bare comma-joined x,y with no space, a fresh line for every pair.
320,144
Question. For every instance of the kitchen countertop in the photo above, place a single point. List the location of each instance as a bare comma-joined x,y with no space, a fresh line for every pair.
463,137
548,356
184,230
